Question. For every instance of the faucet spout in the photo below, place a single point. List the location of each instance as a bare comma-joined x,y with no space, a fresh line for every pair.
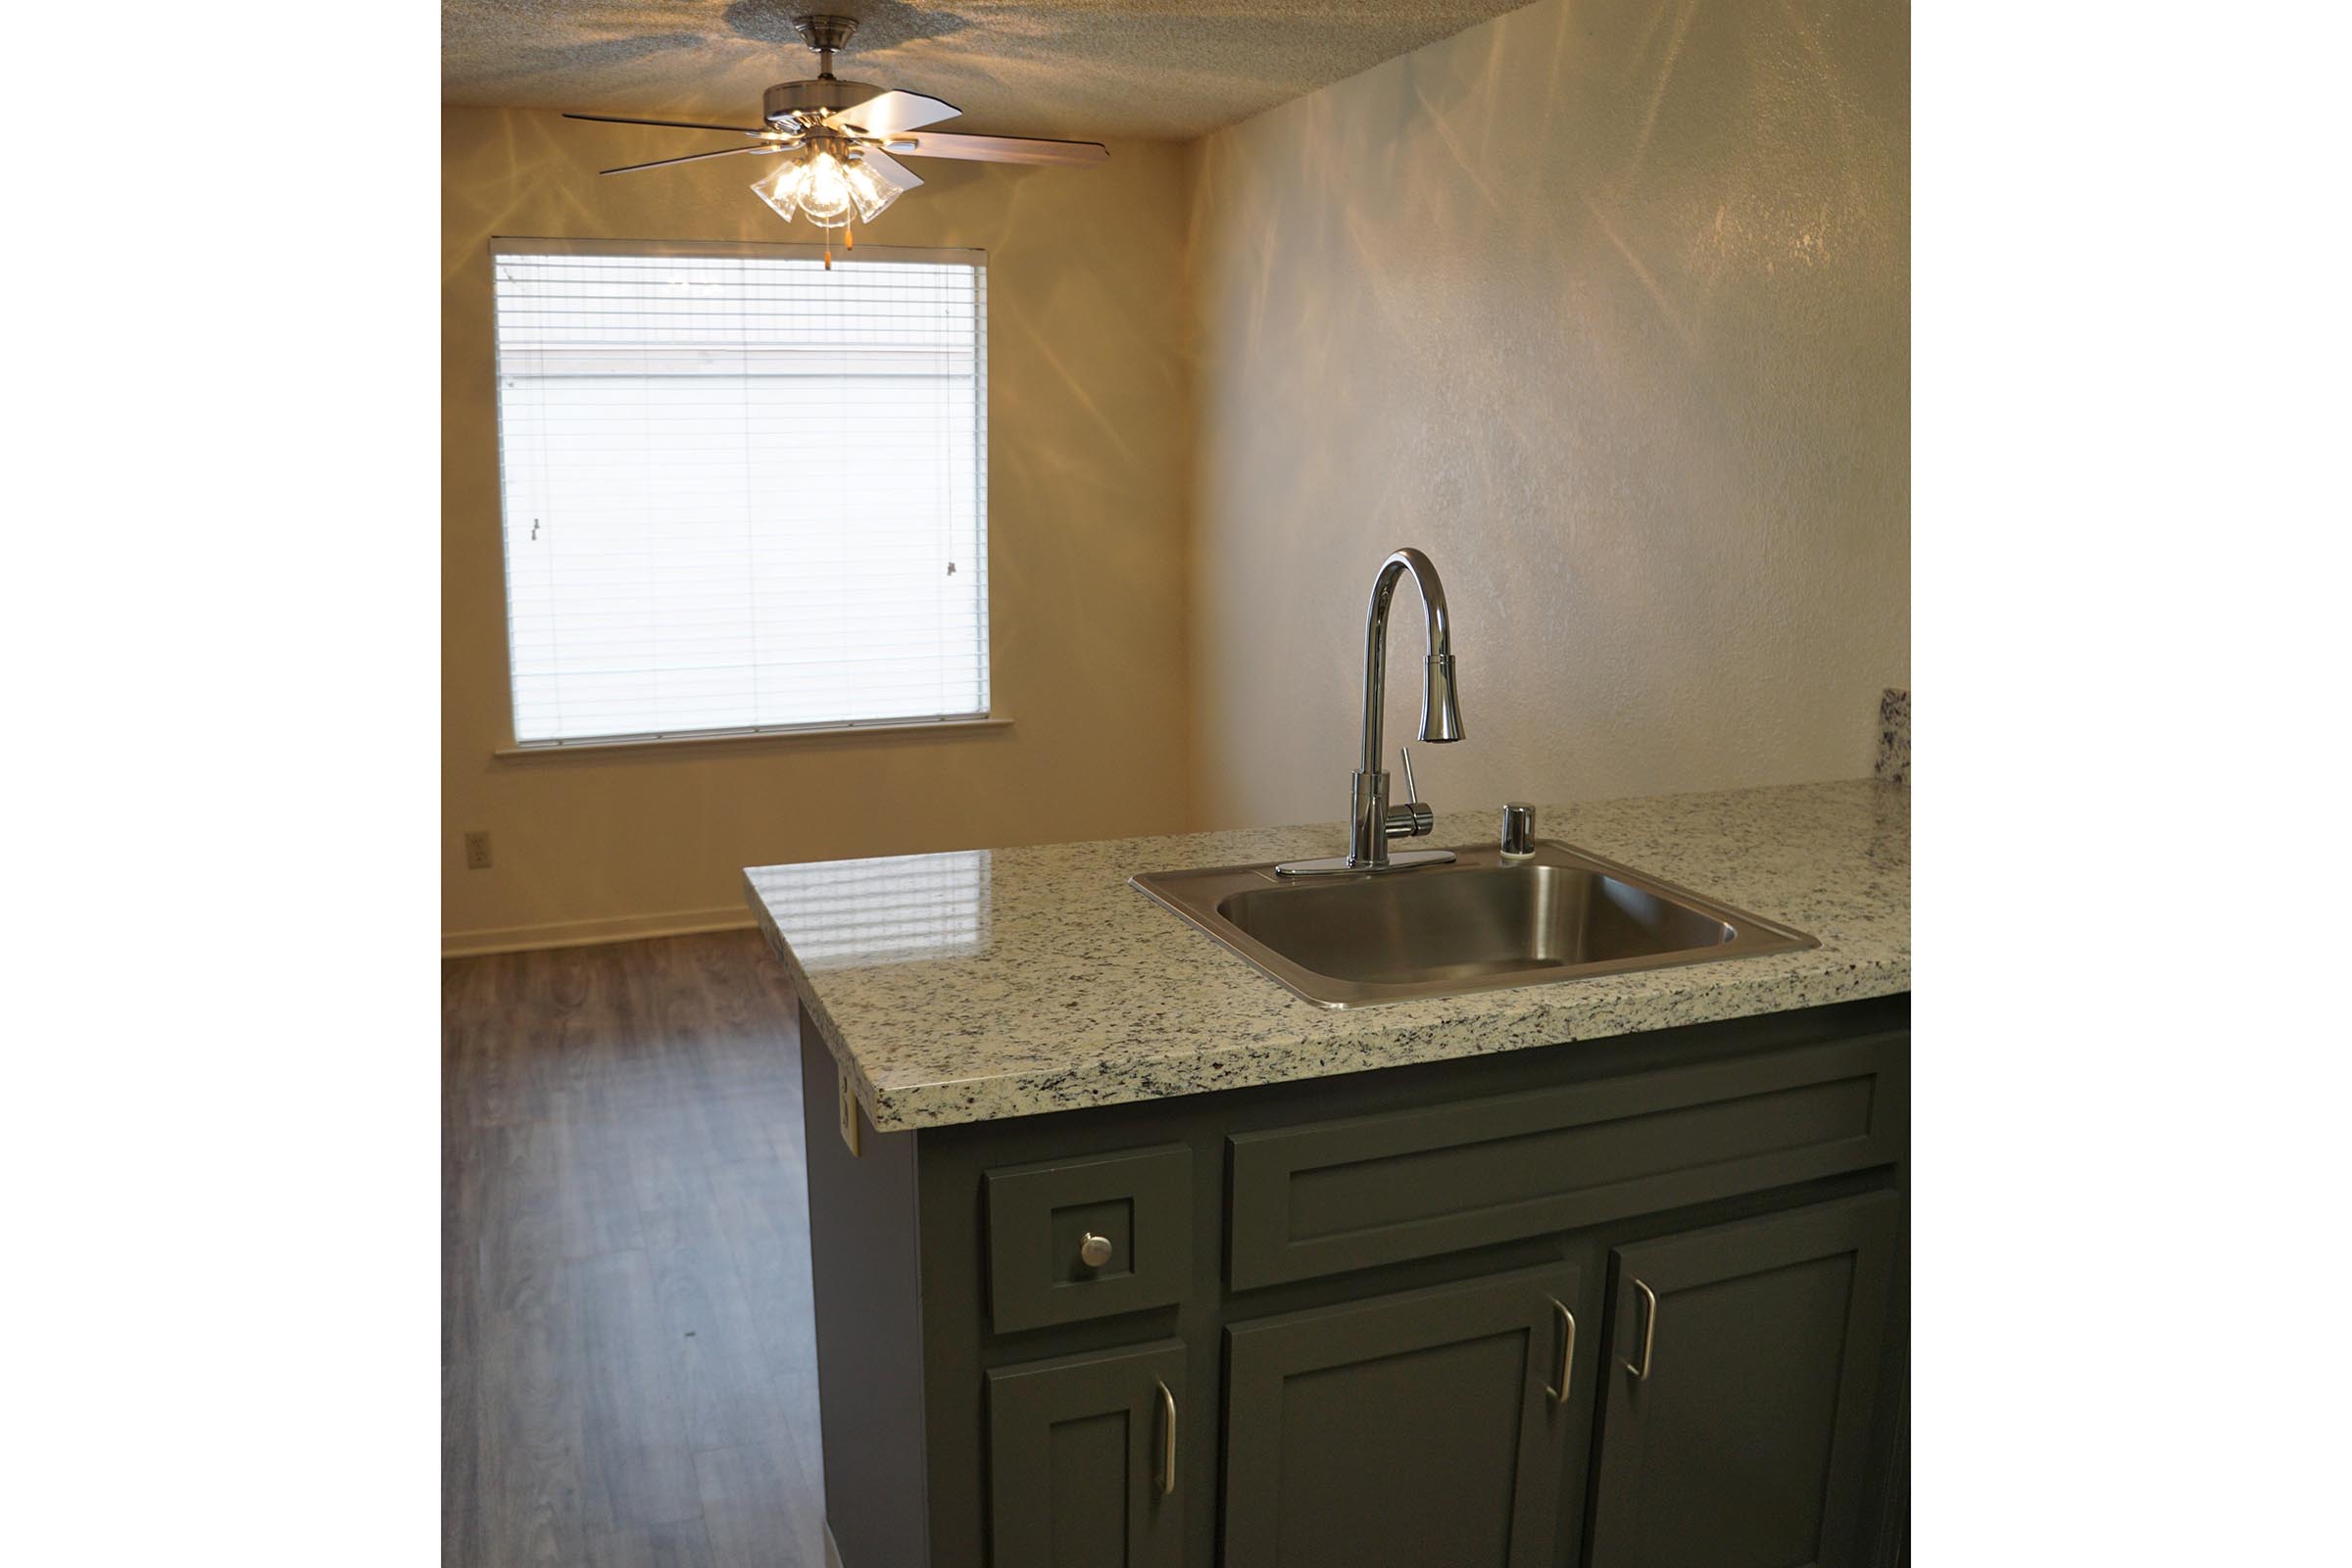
1440,707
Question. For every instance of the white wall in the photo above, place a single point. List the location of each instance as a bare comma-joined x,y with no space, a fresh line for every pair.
1604,305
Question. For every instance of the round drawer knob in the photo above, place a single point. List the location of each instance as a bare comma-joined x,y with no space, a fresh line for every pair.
1093,1251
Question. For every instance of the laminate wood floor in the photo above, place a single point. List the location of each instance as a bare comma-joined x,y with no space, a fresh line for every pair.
628,1366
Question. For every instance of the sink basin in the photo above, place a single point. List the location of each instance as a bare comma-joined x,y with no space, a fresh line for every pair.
1478,924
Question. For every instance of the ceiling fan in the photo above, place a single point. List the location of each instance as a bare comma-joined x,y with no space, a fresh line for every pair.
844,133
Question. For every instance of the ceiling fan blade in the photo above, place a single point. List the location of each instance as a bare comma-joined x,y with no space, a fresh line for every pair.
662,163
675,124
888,111
891,168
998,149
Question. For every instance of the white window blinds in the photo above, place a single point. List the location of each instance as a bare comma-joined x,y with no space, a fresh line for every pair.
742,492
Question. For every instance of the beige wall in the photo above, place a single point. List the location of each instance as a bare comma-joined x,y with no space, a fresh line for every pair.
1088,465
1605,305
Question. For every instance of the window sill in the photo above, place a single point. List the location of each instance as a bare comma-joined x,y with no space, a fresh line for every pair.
753,739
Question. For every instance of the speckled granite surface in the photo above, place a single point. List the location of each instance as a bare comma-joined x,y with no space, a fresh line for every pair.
987,984
1894,736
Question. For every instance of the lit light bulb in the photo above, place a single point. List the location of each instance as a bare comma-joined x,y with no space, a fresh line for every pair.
825,190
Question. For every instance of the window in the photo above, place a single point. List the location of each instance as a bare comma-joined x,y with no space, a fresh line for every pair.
743,493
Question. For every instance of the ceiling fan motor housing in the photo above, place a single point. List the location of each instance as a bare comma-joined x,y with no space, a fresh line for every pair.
824,95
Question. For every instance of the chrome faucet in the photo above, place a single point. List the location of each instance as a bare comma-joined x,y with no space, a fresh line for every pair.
1372,822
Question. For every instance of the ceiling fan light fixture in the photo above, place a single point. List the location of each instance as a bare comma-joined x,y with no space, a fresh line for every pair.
826,188
812,186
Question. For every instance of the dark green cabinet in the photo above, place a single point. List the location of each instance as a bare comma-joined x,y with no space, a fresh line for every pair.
1423,1427
1342,1307
1739,1390
1081,1460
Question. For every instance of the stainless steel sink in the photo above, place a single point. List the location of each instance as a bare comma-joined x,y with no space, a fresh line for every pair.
1478,924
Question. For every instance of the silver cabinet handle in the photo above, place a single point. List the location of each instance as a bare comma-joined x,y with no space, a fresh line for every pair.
1559,1395
1093,1251
1168,1448
1650,1334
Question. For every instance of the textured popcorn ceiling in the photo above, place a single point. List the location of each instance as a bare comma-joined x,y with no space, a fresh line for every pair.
1054,68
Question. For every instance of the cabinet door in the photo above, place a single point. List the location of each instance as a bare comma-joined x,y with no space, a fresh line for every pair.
1739,1389
1081,1460
1412,1429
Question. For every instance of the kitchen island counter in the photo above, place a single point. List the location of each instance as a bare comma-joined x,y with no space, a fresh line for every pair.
978,985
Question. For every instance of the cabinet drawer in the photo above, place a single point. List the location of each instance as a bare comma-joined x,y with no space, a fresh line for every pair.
1334,1195
1040,1217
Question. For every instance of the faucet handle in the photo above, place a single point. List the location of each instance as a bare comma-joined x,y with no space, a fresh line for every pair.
1412,820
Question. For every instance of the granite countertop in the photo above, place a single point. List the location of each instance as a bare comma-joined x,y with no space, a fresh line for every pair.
993,983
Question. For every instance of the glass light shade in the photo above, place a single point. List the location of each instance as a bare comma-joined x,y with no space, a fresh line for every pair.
871,189
826,188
